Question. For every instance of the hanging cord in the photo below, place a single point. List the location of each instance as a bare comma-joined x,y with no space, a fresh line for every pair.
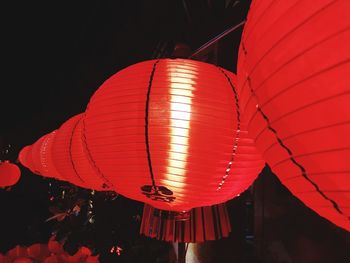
217,38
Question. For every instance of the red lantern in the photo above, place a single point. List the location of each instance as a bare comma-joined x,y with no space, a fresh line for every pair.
294,87
9,174
61,154
82,164
169,133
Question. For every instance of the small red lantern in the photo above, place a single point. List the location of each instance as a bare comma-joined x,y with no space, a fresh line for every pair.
294,87
170,133
9,173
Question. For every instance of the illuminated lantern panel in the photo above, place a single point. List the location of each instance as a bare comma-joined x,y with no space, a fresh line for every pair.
169,133
9,174
294,86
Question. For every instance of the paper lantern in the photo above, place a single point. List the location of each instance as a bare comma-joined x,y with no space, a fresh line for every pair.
61,154
198,225
294,87
9,173
169,133
82,164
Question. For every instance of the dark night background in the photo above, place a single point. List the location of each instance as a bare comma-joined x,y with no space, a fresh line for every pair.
57,53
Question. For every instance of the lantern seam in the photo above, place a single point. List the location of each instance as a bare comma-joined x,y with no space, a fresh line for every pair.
146,124
92,161
238,130
70,153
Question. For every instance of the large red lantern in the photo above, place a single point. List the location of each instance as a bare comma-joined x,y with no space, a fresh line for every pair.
169,133
9,173
294,86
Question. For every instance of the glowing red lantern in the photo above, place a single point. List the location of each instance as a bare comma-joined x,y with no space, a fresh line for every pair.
169,133
9,174
82,164
294,87
61,154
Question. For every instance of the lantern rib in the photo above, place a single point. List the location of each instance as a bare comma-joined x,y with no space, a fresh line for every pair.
305,132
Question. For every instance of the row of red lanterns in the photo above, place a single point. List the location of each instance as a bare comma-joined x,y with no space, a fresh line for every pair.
166,132
178,134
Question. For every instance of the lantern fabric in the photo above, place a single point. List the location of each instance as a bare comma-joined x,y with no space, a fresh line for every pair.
294,86
9,174
198,225
169,133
